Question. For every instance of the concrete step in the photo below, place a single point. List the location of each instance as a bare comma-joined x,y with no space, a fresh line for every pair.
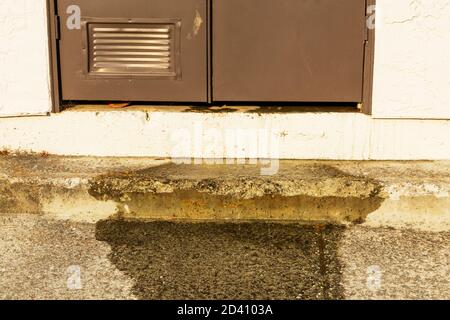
393,194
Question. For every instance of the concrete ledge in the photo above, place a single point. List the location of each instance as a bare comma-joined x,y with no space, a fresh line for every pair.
393,194
228,133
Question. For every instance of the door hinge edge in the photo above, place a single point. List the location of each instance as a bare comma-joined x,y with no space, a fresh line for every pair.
57,28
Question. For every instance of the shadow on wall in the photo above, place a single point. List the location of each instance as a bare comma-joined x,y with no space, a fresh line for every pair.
226,260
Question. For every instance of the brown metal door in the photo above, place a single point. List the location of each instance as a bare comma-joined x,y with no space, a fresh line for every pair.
134,50
288,50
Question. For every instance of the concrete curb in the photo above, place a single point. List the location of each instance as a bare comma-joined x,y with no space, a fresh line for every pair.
389,194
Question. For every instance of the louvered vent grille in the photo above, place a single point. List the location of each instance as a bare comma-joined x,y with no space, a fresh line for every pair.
132,49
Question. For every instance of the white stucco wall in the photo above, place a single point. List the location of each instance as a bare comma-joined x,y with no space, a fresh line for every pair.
412,59
24,67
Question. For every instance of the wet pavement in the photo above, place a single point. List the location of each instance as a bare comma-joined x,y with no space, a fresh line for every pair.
41,258
225,261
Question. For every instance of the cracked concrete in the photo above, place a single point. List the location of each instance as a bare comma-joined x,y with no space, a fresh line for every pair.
388,194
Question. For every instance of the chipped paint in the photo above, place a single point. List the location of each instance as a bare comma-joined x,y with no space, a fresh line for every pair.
196,25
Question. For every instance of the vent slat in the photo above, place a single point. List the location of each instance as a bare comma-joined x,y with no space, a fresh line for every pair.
122,47
131,35
159,30
131,65
132,53
130,41
103,59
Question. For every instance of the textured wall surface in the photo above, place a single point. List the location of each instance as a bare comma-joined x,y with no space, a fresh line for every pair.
24,67
412,59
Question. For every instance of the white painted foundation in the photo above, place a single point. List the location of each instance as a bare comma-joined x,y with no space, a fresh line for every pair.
350,136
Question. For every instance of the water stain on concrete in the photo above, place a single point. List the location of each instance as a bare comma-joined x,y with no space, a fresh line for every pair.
211,109
169,260
20,197
344,108
314,192
271,109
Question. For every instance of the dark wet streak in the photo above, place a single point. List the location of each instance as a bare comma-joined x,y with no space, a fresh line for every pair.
225,260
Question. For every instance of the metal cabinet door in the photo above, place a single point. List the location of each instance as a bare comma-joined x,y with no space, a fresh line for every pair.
134,50
288,50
